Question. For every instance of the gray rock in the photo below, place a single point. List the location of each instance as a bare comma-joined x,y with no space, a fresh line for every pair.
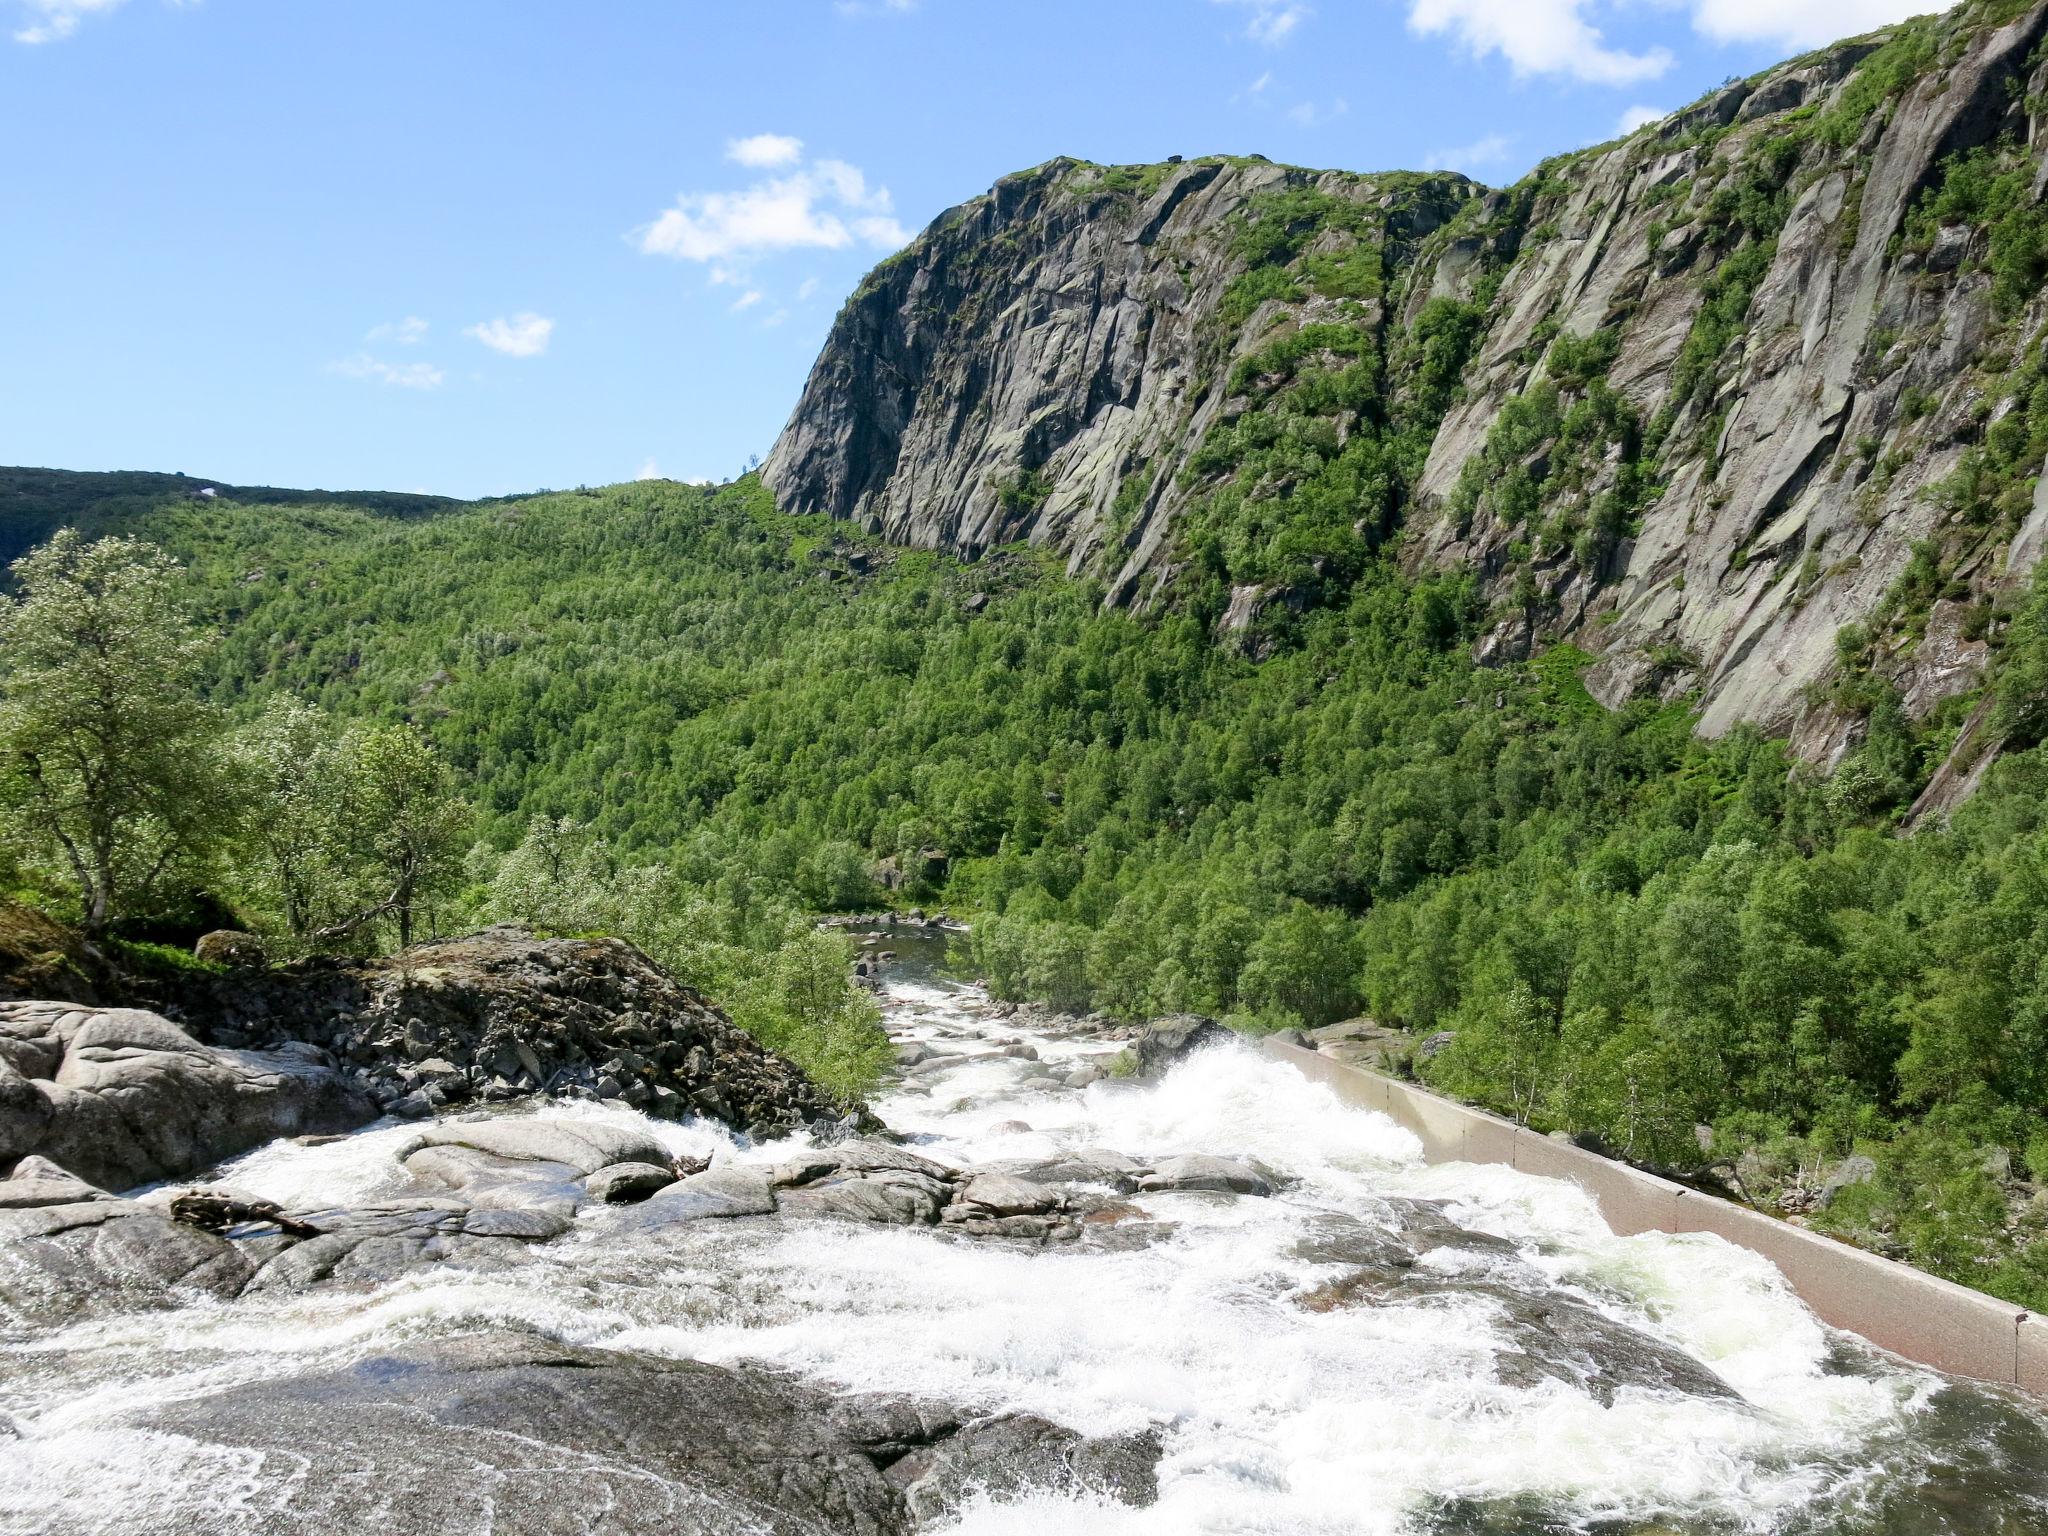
583,1145
625,1183
1197,1172
1004,1456
1001,1194
727,1189
97,1258
1166,1041
508,1432
1852,1170
120,1097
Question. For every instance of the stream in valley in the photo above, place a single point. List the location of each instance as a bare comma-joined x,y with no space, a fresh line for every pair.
1375,1346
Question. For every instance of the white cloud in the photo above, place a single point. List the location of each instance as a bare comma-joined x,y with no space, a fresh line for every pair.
1799,23
409,332
1543,37
806,288
51,21
649,471
826,206
1271,22
523,335
1488,149
871,8
765,151
1638,117
746,300
399,375
1307,114
1259,84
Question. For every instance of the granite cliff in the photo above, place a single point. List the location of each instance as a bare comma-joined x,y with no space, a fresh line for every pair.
1748,405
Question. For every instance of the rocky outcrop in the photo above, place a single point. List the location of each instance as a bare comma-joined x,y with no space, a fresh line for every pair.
1736,404
1045,360
586,1439
121,1097
502,1014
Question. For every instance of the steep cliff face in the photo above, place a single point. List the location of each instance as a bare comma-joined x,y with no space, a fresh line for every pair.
1750,403
1045,362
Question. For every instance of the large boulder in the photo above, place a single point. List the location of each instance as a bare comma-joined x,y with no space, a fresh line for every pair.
120,1097
501,1014
467,1434
1174,1038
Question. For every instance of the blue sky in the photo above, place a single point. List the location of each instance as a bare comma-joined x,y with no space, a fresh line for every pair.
482,246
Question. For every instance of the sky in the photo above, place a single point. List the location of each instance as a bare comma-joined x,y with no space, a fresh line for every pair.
476,247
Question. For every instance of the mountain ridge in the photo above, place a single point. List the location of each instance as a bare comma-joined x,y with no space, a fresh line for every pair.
1698,401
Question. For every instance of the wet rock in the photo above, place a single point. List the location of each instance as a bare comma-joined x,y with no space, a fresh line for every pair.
584,1145
1087,1165
121,1097
508,1432
1198,1172
901,1199
376,1244
1174,1038
627,1183
728,1189
37,1181
1001,1194
61,1263
1003,1457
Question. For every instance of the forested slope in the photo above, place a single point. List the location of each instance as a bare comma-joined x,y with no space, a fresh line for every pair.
1629,932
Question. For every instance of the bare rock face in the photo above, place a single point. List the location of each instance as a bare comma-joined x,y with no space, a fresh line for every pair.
1043,361
120,1097
1713,385
501,1014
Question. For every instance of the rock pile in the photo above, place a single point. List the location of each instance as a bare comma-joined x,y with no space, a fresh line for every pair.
502,1014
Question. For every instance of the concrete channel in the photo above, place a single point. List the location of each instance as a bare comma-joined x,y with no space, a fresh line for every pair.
1913,1314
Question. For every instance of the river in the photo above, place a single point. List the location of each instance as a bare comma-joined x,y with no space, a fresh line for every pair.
1284,1404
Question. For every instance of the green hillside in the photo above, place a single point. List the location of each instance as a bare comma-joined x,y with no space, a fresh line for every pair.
1695,953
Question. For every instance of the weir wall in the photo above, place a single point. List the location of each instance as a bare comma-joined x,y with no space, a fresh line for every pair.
1913,1314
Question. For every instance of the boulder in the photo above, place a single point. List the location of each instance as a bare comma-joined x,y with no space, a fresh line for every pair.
37,1181
121,1097
1001,1194
1005,1456
1198,1172
727,1189
583,1145
628,1183
1174,1038
100,1257
232,948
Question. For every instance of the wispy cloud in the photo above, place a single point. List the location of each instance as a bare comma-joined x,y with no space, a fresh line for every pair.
399,375
1638,117
1488,149
522,335
1799,23
827,205
746,300
51,21
1271,22
409,332
1307,114
874,7
765,151
1540,37
649,470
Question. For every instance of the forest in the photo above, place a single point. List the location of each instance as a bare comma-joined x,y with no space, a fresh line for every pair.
675,713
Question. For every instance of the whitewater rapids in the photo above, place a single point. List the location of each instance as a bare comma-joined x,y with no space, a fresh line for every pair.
1276,1418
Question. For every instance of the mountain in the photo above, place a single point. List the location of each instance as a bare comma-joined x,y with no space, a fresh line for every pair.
1748,404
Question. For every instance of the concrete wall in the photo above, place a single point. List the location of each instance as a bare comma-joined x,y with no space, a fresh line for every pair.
1893,1305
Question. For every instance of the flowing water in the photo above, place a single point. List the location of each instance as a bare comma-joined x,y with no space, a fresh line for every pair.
1276,1417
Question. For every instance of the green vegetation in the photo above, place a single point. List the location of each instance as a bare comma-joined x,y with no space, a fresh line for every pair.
679,717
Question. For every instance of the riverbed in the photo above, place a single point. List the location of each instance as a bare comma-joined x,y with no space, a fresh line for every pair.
1285,1397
